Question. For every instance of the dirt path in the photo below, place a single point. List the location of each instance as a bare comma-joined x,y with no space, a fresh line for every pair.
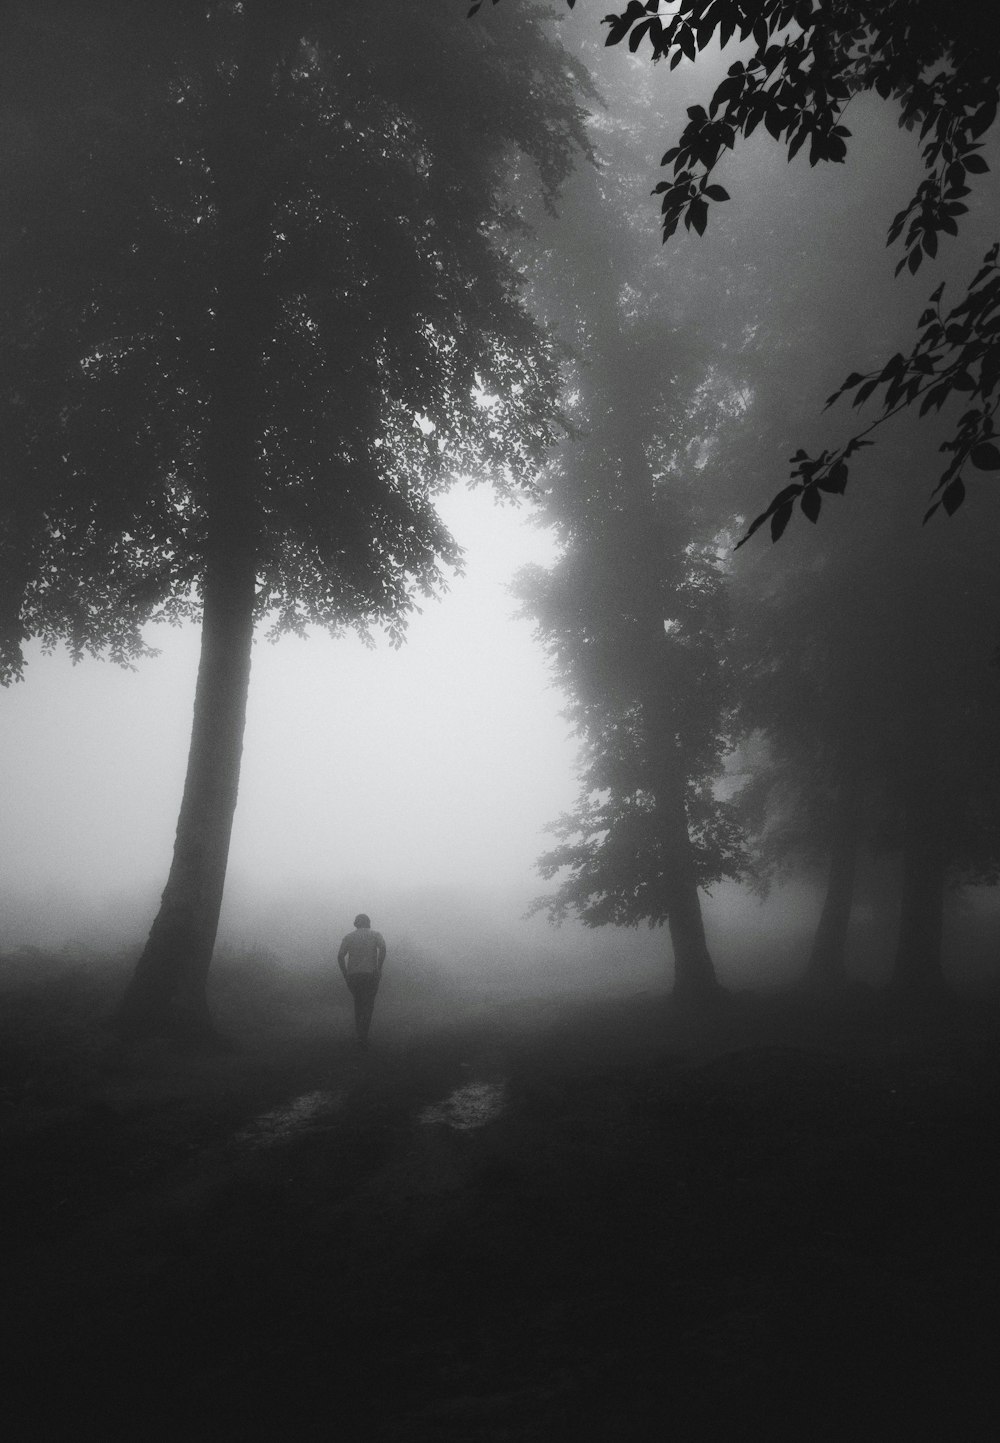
533,1225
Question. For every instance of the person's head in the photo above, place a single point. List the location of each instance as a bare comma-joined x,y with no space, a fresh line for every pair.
362,920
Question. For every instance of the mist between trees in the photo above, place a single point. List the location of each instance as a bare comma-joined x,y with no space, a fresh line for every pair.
280,275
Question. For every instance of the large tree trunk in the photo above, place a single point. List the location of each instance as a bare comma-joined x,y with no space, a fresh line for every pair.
168,988
917,973
828,960
695,982
167,991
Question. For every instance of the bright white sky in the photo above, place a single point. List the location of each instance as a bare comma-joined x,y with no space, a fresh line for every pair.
433,766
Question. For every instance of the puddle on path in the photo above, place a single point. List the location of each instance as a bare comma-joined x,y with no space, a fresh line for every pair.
468,1107
471,1106
283,1123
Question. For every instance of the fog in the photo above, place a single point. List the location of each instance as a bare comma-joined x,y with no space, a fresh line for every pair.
670,1109
418,783
368,772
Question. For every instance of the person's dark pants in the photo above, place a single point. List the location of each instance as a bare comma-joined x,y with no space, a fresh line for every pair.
364,986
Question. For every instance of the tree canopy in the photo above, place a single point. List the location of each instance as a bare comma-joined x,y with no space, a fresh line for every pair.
633,612
321,191
263,305
808,675
803,63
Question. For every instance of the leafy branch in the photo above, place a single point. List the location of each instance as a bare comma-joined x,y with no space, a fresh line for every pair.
807,63
955,353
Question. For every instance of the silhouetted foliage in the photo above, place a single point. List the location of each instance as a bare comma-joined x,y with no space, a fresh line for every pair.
633,614
265,306
805,62
369,221
876,708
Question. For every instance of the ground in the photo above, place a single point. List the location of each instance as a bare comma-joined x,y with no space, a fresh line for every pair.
530,1219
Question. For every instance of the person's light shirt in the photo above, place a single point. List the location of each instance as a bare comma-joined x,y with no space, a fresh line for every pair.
362,950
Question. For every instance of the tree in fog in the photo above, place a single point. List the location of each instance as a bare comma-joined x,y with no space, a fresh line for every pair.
269,313
799,646
822,723
804,805
633,613
803,65
843,641
865,675
874,687
72,559
843,644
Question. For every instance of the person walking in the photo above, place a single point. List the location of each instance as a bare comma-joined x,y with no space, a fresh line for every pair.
360,959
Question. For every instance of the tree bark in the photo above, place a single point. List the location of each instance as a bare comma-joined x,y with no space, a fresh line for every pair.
167,991
827,966
695,981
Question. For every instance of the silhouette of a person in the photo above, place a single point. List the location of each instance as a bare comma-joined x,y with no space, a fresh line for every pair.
360,959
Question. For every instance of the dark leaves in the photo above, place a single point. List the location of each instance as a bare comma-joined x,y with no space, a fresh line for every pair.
780,520
697,216
985,456
620,25
953,496
801,66
834,481
811,504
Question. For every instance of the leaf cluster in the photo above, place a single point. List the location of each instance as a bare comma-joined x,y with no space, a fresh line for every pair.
956,356
634,618
805,65
807,62
291,220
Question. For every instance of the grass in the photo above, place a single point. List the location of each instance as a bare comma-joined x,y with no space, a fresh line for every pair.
777,1221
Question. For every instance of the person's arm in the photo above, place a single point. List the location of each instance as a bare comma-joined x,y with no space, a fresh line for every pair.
380,953
342,958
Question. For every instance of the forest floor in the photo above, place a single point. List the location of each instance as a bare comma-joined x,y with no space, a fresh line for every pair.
536,1219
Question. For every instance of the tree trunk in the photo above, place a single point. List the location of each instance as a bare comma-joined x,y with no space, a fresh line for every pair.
828,960
168,989
917,973
167,992
695,982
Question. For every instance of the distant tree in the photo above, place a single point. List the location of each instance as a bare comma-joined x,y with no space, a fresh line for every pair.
806,806
633,613
862,749
830,677
260,310
870,682
647,701
843,641
806,62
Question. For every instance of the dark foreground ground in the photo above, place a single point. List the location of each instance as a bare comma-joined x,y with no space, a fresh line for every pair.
537,1221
